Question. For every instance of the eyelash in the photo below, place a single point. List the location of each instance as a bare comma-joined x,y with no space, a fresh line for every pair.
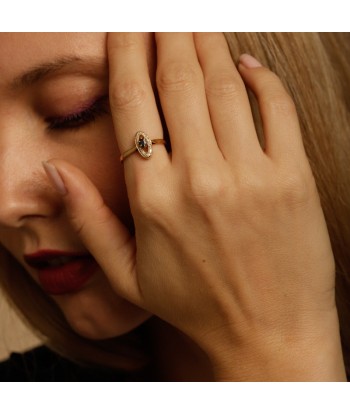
79,119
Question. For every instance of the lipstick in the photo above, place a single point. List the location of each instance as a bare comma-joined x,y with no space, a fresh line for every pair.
61,272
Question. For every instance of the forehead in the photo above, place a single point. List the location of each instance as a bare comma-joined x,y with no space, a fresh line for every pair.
20,51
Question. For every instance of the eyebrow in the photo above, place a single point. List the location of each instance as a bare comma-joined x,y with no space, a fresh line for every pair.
65,64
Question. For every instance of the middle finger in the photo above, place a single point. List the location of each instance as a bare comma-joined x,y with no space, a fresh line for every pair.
180,84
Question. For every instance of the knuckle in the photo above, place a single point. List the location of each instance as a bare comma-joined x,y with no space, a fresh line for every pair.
125,41
86,225
224,87
285,189
206,188
148,205
103,214
280,104
294,190
127,95
143,207
176,76
80,224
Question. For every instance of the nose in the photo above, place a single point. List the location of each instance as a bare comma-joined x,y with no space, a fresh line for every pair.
22,197
25,191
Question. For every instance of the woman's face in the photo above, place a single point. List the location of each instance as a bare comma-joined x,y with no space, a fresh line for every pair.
54,104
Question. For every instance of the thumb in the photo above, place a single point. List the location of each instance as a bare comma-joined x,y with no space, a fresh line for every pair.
103,234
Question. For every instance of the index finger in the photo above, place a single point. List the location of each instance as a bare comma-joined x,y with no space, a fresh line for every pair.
131,96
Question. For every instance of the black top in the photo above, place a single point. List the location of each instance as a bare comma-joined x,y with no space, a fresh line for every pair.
43,365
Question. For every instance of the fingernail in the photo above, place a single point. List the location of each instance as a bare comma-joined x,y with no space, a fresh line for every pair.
55,177
249,62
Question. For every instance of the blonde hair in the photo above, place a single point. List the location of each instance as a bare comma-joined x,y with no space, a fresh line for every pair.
316,73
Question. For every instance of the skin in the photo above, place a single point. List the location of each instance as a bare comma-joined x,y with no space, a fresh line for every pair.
32,214
259,298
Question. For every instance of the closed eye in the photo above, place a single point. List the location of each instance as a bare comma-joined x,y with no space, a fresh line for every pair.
76,120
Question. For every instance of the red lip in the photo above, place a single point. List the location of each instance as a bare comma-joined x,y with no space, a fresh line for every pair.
63,278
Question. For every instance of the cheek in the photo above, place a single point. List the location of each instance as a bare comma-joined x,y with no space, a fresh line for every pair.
101,164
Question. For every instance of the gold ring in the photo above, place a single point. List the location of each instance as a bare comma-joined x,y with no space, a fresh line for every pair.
143,144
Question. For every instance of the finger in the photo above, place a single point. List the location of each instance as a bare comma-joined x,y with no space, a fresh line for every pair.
283,138
181,90
228,102
132,100
103,234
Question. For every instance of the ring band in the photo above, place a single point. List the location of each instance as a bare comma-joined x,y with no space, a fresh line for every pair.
143,144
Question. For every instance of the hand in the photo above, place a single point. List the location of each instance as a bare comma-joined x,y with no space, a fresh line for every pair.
231,245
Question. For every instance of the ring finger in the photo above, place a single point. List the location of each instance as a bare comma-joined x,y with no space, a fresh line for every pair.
132,99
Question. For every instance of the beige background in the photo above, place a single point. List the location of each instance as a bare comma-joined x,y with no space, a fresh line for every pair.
14,336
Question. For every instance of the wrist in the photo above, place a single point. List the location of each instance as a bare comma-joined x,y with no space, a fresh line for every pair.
306,363
313,357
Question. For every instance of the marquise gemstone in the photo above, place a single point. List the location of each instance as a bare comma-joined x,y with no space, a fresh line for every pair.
142,142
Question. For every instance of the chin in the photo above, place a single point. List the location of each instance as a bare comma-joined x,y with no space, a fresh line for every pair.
93,328
98,313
